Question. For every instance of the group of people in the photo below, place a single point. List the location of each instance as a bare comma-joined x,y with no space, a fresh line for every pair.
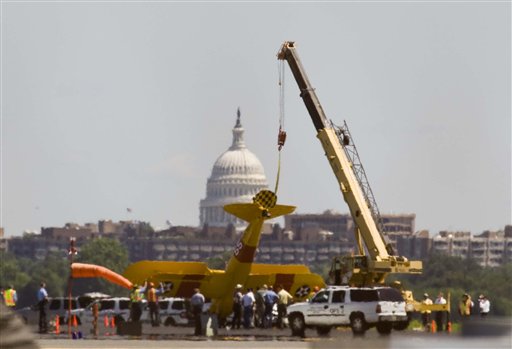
466,306
149,292
257,307
465,309
9,298
250,309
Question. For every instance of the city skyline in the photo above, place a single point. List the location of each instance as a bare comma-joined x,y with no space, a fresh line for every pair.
111,106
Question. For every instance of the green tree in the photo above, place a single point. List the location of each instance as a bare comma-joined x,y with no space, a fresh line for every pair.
53,270
105,252
220,261
11,272
457,276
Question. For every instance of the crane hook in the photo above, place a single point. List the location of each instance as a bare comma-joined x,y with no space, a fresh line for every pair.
281,138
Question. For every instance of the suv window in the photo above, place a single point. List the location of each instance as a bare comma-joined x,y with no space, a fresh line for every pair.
338,297
106,305
124,304
178,305
57,304
390,295
321,297
163,304
364,296
54,304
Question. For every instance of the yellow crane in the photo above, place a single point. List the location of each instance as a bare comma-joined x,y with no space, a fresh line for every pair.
376,258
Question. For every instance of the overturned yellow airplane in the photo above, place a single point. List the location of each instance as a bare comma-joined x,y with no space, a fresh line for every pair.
183,277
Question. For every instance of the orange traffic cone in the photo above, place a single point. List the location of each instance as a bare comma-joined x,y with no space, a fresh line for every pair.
105,320
57,324
433,327
113,322
75,322
449,327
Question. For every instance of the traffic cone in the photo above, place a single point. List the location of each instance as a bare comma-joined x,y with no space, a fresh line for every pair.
105,321
75,322
433,326
113,322
449,327
57,324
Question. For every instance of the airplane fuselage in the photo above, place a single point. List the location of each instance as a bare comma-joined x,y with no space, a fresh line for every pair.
238,268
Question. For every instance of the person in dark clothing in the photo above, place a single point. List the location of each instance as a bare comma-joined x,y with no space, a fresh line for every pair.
440,315
237,307
42,300
270,298
154,309
135,303
197,302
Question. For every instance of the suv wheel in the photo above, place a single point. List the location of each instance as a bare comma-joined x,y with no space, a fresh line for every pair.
384,327
323,330
169,322
358,324
401,325
297,325
119,319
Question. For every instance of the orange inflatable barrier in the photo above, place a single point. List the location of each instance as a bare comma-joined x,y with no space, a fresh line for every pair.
81,270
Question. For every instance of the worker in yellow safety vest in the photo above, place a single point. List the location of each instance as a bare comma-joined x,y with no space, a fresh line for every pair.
10,297
136,297
425,312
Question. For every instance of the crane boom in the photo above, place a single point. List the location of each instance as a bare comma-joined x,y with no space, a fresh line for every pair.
380,259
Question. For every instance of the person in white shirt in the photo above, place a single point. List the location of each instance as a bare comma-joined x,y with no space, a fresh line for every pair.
197,302
248,301
485,305
440,314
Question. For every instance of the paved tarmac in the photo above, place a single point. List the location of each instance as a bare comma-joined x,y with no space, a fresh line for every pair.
182,337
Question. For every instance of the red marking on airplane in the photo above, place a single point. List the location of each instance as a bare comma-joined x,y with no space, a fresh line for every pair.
286,280
193,277
244,253
186,288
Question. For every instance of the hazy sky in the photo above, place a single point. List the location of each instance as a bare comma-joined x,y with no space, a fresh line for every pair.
109,106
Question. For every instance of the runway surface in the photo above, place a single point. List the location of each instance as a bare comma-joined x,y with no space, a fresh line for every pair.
182,337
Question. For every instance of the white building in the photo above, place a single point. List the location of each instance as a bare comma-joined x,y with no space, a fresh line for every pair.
237,176
489,249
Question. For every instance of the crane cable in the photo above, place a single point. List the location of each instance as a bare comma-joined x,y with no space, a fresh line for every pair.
281,136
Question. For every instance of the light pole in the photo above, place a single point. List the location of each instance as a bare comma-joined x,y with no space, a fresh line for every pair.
71,252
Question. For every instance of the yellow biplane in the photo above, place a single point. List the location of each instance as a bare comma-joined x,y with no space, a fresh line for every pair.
181,278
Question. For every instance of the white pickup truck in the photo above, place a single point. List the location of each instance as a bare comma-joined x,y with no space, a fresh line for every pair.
357,307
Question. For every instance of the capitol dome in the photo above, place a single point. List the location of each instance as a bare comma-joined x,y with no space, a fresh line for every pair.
237,176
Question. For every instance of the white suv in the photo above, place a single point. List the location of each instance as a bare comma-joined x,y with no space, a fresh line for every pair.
173,311
358,307
57,306
117,307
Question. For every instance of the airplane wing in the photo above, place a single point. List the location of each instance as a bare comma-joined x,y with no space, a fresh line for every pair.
178,278
250,212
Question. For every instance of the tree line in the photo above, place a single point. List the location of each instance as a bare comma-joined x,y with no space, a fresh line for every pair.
26,274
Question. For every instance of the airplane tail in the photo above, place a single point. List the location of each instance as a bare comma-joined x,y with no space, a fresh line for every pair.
264,205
